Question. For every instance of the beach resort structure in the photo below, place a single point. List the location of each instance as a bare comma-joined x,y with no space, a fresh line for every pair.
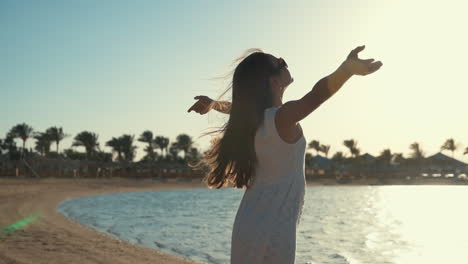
365,168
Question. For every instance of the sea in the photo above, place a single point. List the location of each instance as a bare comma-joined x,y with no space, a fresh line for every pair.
340,224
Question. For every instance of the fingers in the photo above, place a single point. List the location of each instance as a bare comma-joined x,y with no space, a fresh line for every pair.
354,52
195,107
375,66
360,48
198,107
368,63
203,99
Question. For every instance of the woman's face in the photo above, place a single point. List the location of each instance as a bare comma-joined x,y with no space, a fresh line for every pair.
283,78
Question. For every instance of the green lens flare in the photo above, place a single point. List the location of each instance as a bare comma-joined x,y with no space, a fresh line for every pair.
19,224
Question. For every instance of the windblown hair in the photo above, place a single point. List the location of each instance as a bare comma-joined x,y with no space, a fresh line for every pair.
232,157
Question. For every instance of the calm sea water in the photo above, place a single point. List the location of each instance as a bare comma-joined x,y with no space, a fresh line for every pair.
340,224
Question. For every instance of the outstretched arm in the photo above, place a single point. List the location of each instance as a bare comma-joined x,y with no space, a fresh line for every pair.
205,104
326,87
294,111
222,106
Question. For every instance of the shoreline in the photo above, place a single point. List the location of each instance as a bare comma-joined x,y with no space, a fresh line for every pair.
54,238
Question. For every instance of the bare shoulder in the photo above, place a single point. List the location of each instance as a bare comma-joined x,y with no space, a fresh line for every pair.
286,121
291,112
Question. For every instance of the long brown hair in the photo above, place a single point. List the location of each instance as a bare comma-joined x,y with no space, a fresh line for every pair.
232,157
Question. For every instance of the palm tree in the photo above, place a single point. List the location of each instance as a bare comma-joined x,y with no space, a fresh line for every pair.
103,156
356,152
325,149
116,146
3,145
338,157
418,153
184,143
57,135
162,143
398,158
449,145
9,144
193,155
385,157
22,131
147,137
315,144
88,140
174,150
351,144
128,149
43,142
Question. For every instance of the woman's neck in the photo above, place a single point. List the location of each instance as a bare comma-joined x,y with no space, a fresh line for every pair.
278,101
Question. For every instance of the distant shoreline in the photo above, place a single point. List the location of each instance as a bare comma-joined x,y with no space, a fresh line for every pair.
310,181
389,181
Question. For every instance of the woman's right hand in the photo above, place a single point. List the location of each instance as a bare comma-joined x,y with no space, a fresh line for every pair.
354,65
203,105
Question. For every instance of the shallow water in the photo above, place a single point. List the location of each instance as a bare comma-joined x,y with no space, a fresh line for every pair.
340,224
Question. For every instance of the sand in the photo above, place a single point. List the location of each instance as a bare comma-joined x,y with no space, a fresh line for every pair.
53,238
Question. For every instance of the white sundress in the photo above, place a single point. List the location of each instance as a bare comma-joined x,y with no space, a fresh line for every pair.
264,229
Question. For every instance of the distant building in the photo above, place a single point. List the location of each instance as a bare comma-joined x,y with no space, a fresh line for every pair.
441,163
319,165
368,158
441,160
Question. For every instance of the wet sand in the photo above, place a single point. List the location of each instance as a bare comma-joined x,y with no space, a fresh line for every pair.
53,238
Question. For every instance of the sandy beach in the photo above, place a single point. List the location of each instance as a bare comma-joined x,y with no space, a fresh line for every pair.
53,238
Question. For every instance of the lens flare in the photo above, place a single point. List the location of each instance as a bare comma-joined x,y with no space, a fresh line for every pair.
19,224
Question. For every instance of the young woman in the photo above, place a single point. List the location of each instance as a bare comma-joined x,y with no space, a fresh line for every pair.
262,149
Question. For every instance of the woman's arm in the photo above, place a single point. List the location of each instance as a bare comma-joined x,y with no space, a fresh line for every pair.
326,87
222,106
205,104
294,111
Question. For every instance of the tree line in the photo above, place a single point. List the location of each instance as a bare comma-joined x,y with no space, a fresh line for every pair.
386,155
123,148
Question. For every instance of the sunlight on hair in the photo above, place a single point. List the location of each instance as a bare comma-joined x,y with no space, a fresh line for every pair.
227,77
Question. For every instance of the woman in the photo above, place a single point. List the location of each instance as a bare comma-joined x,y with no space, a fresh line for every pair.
262,149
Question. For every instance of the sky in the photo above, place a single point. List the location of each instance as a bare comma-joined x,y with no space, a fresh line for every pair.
123,67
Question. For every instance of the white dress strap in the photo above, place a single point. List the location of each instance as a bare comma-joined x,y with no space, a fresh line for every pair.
271,124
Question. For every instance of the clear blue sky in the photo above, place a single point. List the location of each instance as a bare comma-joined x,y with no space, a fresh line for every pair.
122,67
